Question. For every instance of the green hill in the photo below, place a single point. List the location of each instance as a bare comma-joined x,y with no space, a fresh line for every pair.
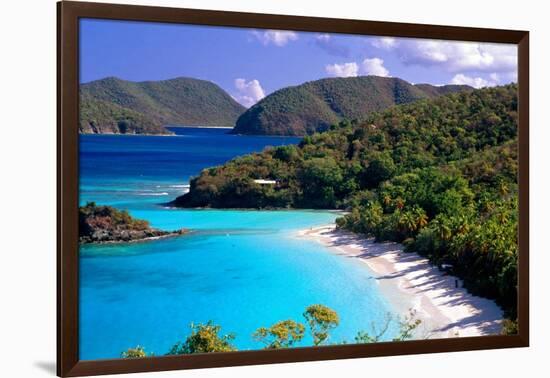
102,117
113,105
315,105
438,175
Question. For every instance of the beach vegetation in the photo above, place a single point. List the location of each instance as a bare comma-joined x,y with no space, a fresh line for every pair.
321,320
207,338
204,338
137,352
283,334
407,326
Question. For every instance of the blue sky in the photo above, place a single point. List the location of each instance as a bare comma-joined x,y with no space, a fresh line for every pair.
251,63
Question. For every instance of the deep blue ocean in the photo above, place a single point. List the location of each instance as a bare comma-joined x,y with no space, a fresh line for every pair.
240,269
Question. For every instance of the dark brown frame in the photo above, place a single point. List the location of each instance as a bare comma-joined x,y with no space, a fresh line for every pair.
68,14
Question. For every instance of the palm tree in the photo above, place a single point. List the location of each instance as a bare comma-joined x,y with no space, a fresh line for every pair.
442,229
421,217
410,221
503,189
399,203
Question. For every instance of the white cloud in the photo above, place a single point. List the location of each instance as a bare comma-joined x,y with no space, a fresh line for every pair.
454,56
374,66
277,37
342,70
460,56
386,43
476,82
248,92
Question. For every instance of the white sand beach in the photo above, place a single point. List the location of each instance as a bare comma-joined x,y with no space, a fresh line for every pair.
409,281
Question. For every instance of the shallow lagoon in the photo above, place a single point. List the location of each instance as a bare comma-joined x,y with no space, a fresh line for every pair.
240,269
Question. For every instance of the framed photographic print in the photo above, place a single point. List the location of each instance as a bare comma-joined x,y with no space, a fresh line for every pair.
238,188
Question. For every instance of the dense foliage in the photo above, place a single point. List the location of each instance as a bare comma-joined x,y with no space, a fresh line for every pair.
112,105
103,117
137,352
204,338
207,338
315,105
92,215
283,334
439,175
321,319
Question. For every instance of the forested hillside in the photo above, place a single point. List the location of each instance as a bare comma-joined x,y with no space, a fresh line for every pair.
112,105
439,175
315,105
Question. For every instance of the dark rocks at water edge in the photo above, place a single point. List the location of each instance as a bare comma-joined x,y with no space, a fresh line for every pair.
105,224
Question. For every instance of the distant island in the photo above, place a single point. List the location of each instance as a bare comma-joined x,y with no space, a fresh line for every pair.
315,105
116,106
105,224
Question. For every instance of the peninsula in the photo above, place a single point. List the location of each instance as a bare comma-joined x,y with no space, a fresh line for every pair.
105,224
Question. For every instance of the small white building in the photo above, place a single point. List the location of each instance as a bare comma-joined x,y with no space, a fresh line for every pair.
265,182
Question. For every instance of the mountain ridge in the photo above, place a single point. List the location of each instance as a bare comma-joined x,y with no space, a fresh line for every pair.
117,106
316,105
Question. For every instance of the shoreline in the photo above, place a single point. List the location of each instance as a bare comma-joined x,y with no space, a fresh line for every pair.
408,281
169,234
200,127
167,206
130,134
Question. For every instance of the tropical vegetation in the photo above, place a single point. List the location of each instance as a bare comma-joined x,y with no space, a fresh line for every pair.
102,224
116,106
321,320
315,105
438,175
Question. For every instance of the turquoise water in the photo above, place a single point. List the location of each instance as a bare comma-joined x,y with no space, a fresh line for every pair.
240,269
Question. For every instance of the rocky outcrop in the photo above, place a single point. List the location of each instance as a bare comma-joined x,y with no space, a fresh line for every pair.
105,224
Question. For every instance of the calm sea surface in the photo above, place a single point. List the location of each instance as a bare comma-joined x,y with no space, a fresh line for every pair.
240,269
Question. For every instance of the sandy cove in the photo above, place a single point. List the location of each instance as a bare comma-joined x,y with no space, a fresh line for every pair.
409,281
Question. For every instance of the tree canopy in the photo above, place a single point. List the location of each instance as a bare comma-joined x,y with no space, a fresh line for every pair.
112,105
316,105
321,319
204,338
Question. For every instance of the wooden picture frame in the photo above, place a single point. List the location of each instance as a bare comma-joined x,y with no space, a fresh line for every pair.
69,13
